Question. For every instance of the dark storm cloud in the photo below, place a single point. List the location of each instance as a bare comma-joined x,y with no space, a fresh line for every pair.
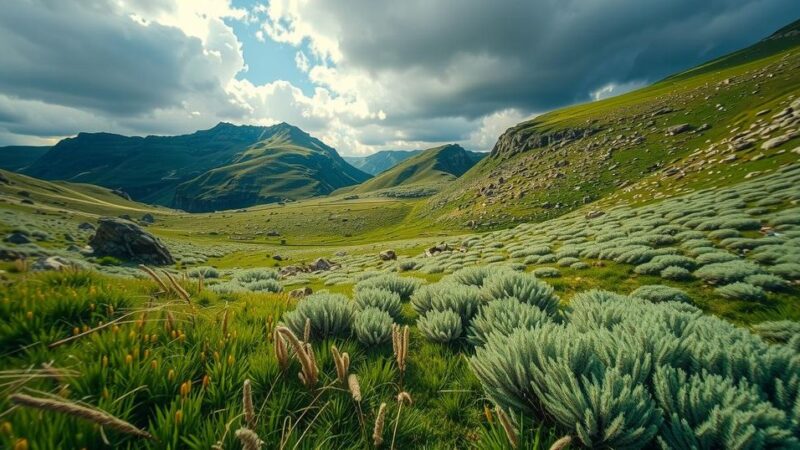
473,57
84,54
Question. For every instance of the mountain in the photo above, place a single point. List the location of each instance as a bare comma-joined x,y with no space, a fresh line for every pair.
150,169
288,165
17,157
381,161
713,124
430,168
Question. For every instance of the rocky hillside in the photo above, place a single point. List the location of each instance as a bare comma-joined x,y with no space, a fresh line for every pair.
17,157
150,169
710,125
288,165
427,171
380,161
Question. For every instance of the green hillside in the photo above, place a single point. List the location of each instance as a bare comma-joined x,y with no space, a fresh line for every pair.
431,168
625,148
289,165
380,161
17,157
210,164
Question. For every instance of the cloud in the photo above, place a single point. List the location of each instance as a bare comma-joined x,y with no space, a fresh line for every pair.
380,75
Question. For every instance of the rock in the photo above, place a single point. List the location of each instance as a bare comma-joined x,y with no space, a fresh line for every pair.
762,112
321,264
126,240
68,237
122,194
273,233
86,226
125,217
17,238
73,248
775,142
148,218
594,214
703,127
278,257
340,253
51,263
678,129
4,179
301,292
387,255
7,254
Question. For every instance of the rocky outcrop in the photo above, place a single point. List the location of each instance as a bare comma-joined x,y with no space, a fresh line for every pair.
126,240
526,137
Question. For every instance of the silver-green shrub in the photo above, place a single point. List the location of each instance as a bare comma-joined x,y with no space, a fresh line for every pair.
372,326
741,291
658,293
524,287
440,326
503,317
382,299
330,315
402,286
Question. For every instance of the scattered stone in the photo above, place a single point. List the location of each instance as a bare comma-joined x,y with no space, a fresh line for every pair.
55,263
321,264
388,255
86,226
594,214
762,112
775,142
126,240
122,194
4,179
148,218
273,233
277,257
340,253
301,292
678,129
17,238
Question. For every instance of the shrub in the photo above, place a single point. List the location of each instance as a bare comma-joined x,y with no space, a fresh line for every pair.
580,265
206,271
727,272
676,273
779,330
710,411
723,233
524,287
382,299
330,314
440,326
462,300
251,275
767,281
741,223
372,326
264,286
422,298
402,286
472,276
789,271
715,257
741,291
503,317
407,265
658,293
568,261
546,272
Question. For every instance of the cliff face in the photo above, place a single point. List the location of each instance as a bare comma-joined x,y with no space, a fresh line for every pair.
523,138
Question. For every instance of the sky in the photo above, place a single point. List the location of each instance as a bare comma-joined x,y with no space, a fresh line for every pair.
362,75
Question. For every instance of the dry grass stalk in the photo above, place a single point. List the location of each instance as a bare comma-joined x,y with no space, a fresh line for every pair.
508,427
355,388
247,401
170,324
281,352
178,288
377,432
309,374
342,362
21,265
561,443
201,283
403,398
225,322
101,418
155,277
400,345
249,439
307,331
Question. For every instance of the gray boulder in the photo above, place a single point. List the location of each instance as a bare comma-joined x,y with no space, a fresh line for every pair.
17,238
126,240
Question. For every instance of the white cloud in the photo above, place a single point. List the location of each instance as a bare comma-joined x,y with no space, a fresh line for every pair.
301,60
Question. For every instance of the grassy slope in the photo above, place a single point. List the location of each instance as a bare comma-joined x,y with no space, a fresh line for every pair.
535,187
434,166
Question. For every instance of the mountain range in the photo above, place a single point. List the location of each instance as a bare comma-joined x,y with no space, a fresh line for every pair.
380,161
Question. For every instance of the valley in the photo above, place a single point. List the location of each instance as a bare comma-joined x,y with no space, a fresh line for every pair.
623,273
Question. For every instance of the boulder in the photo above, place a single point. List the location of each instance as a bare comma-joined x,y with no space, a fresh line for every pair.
273,233
51,263
321,264
126,240
86,226
148,218
17,238
678,129
594,214
278,257
387,255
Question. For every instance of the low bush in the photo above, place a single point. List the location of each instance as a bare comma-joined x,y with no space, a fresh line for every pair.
503,317
767,281
382,299
331,315
546,272
658,293
525,288
372,326
440,326
402,286
676,273
206,271
727,272
741,291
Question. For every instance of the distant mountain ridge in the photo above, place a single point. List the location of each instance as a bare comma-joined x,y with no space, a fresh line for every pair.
18,157
380,161
429,168
151,169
